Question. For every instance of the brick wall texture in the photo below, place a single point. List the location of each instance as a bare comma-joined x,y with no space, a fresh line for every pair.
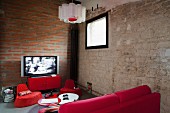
30,27
138,53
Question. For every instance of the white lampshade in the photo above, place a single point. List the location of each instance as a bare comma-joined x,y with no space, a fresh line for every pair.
82,16
72,13
71,10
64,11
79,10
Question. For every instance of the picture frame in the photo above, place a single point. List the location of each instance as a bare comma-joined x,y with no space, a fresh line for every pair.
97,32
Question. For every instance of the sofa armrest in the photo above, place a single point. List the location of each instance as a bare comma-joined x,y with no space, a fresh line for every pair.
131,94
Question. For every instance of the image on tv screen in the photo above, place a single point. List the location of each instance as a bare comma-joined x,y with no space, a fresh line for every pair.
40,65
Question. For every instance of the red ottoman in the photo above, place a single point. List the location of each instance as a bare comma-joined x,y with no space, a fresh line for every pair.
68,90
69,87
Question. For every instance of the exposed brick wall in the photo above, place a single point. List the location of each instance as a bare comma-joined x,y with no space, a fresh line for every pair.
31,27
138,53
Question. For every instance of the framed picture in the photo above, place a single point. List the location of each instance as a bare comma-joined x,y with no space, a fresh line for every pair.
97,32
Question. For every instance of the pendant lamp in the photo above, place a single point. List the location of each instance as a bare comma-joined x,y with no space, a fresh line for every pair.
72,13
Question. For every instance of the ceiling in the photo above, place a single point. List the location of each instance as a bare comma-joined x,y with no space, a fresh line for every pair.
108,4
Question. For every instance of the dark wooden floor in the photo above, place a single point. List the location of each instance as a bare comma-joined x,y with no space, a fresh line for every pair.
86,95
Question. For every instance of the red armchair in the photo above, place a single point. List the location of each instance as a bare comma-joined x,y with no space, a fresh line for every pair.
27,99
69,87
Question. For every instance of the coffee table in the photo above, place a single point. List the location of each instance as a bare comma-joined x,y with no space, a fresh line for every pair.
48,102
68,97
53,103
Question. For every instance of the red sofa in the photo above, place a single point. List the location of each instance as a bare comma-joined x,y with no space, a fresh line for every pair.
135,100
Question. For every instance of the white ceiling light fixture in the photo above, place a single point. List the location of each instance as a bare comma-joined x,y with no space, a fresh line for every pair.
72,13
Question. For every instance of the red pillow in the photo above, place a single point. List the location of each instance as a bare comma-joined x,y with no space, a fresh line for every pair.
22,93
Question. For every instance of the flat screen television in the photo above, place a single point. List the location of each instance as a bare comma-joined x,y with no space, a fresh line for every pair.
36,66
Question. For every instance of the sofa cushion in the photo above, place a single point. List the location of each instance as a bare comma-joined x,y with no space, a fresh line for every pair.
30,96
130,94
22,93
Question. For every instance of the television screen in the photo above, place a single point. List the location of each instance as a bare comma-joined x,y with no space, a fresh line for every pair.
39,65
